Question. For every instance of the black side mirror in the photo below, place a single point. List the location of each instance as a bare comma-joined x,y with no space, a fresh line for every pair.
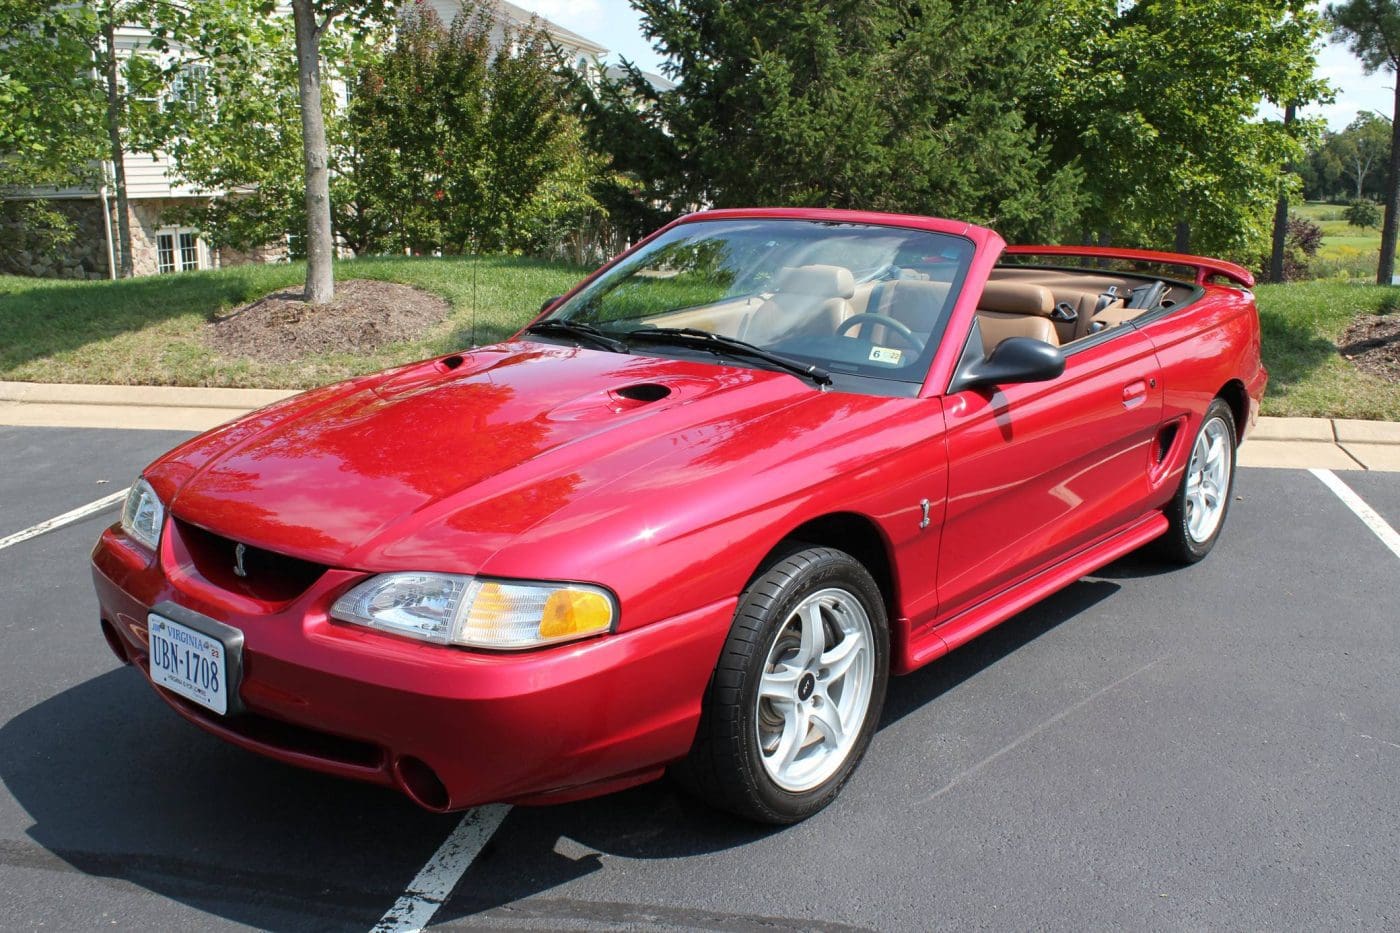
1015,359
548,302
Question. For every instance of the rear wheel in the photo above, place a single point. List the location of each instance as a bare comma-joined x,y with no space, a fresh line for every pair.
1197,513
798,690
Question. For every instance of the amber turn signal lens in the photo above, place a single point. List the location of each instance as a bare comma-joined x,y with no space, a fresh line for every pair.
575,612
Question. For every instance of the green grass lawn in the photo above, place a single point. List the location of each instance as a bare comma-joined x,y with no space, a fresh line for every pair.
1302,323
151,331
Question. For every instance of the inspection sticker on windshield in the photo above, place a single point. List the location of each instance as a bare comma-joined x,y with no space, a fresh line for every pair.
886,355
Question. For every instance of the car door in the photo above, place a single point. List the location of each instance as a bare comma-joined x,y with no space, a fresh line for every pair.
1039,470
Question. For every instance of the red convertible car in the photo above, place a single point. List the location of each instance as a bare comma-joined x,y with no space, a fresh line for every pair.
694,516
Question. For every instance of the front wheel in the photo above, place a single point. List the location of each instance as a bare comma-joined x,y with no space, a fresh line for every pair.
797,694
1197,512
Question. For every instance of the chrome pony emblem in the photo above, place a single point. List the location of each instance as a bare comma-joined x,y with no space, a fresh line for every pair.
238,569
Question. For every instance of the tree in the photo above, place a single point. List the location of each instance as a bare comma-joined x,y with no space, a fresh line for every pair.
1361,148
1371,28
1321,169
70,100
1363,214
467,139
244,140
312,18
888,105
1159,103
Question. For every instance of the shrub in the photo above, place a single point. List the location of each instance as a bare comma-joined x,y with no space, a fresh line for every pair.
1300,247
1364,214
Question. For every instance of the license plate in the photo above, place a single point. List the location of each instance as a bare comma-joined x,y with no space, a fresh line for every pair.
189,663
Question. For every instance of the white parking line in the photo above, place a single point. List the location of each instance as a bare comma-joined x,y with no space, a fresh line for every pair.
67,518
1370,516
426,893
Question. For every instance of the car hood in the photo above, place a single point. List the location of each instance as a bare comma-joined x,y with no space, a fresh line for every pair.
493,441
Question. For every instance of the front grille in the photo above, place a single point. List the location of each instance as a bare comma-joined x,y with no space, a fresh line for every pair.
269,576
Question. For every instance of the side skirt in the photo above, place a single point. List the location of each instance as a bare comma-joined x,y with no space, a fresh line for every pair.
970,623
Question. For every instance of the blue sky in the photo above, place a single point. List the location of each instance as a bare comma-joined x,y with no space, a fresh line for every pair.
614,23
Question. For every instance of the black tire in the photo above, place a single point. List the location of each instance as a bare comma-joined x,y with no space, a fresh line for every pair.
725,765
1179,544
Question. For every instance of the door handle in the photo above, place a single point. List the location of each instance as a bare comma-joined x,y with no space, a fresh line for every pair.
1134,394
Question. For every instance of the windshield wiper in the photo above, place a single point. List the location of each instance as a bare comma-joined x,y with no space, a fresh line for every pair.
579,331
728,346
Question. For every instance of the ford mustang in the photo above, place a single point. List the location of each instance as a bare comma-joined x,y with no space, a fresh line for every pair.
693,516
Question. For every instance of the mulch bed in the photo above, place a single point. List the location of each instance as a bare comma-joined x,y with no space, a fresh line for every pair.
365,315
1372,342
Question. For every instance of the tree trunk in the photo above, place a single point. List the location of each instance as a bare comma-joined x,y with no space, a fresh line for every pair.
1183,237
320,281
1385,272
114,136
1281,211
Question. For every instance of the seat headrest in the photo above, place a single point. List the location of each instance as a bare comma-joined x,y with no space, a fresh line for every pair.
1017,298
821,281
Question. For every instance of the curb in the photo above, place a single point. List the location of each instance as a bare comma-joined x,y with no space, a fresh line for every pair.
1323,443
152,408
1280,443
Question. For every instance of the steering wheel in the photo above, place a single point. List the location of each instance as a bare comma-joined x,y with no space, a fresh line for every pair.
905,334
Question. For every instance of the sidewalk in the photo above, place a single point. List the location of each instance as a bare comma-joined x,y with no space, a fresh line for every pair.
1291,443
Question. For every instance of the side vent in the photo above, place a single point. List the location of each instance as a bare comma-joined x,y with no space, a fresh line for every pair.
1165,438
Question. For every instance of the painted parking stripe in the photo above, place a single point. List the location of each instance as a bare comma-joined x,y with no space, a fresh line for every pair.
427,892
67,518
1370,516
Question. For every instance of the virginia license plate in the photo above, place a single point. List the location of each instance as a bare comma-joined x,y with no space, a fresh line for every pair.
189,663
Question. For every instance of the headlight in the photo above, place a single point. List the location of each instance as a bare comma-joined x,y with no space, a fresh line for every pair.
143,515
450,609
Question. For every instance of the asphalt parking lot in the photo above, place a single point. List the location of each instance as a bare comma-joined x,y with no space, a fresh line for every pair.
1212,747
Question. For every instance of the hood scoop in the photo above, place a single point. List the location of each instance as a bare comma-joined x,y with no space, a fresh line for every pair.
627,399
643,393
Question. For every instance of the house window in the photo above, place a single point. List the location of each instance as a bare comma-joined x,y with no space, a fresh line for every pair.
190,88
180,250
165,252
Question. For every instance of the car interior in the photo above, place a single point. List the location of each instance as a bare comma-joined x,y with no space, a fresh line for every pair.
1057,306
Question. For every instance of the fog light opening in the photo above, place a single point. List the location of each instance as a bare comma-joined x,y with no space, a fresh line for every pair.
421,783
114,641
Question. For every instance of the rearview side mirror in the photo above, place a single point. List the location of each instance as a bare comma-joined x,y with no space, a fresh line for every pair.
1014,360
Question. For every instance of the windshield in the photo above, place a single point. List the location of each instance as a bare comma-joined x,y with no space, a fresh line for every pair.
850,298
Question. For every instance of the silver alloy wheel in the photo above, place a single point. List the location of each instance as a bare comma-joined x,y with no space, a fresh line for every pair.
815,690
1208,480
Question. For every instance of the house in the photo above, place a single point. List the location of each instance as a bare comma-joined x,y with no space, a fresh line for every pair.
158,245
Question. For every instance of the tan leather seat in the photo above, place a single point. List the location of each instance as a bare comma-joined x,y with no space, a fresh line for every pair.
1016,309
1114,312
915,303
806,300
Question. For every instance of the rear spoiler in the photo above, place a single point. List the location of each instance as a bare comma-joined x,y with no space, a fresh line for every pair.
1204,268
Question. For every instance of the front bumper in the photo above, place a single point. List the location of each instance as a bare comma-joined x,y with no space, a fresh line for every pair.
547,725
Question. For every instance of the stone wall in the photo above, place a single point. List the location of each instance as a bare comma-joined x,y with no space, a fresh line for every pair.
272,252
25,250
